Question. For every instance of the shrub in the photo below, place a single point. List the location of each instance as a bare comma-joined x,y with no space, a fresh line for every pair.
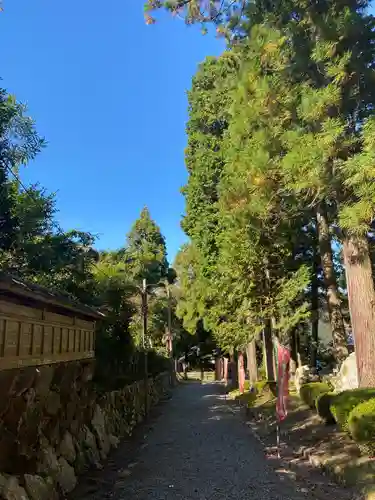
322,405
309,392
260,386
249,397
361,423
342,404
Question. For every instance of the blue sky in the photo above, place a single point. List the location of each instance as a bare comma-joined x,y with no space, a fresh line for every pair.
109,95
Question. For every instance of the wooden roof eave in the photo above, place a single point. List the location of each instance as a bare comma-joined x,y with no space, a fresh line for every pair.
20,288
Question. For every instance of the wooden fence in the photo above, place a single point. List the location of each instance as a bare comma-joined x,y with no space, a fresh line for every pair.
35,336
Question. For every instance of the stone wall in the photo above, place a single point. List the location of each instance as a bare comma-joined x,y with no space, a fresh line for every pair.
54,425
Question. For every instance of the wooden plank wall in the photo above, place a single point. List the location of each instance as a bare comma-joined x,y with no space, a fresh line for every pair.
30,337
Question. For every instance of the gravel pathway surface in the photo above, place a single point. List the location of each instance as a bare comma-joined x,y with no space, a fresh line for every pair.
197,448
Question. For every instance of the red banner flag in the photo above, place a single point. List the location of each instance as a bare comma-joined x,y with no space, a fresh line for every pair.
283,358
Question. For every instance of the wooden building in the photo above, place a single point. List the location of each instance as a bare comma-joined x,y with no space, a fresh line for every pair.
38,326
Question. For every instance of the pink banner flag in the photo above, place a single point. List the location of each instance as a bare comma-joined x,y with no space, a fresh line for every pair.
241,373
283,358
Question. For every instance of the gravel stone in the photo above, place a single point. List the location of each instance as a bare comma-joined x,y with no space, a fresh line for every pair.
200,449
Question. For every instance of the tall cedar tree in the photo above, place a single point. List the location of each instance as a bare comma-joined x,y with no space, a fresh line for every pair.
209,102
146,251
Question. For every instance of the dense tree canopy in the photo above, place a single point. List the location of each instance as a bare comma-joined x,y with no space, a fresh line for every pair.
280,177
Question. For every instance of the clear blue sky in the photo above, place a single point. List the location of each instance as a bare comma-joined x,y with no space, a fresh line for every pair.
109,95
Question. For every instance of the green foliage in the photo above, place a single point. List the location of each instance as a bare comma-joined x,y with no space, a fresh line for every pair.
145,251
311,391
322,405
342,404
19,143
258,225
113,294
361,424
197,11
286,136
240,268
357,215
118,279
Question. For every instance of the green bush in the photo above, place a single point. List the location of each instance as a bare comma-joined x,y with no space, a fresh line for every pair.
309,392
342,404
249,397
322,405
361,423
260,386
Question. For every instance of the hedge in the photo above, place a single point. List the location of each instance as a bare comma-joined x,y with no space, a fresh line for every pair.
342,404
361,425
322,405
310,392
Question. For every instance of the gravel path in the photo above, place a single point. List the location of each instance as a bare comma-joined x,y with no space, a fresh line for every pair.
197,448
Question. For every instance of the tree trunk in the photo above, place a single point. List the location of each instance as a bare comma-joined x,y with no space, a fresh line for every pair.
233,371
361,296
268,351
219,368
293,352
333,299
314,311
252,362
226,370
